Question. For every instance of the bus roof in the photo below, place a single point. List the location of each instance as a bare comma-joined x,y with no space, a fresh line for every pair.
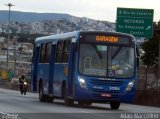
74,34
57,37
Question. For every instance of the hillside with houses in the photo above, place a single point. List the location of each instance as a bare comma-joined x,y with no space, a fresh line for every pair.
23,32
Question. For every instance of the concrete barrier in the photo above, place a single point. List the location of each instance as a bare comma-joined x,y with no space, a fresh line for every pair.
147,97
12,86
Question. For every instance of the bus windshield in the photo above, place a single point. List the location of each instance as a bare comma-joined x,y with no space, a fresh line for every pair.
106,61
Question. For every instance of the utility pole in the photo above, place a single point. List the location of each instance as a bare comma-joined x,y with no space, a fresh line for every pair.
15,43
158,72
158,63
8,39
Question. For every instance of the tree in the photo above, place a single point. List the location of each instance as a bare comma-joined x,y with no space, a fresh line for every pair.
151,47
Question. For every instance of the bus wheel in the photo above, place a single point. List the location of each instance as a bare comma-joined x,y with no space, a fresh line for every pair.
88,103
49,99
41,95
114,105
68,102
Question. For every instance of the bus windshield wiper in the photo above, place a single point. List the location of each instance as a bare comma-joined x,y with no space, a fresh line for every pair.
97,51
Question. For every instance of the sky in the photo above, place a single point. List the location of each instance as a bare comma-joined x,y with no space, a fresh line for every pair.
94,9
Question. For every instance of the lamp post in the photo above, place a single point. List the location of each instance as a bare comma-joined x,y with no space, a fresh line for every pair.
9,5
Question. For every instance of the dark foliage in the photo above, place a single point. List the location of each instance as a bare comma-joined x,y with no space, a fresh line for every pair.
151,47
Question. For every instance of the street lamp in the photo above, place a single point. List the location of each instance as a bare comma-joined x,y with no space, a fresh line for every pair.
9,5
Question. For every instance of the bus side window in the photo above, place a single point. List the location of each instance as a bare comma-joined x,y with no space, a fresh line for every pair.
66,51
48,52
42,53
59,51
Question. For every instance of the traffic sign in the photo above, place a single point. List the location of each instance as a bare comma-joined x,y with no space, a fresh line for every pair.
138,22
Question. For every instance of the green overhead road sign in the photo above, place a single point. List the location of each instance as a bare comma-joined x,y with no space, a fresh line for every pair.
138,22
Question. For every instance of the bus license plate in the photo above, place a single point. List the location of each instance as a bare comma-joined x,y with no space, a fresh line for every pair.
108,95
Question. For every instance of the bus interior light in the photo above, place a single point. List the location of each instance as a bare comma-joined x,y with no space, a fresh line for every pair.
130,85
82,83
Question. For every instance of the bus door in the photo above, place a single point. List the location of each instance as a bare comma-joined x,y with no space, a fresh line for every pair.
71,68
51,69
35,67
44,67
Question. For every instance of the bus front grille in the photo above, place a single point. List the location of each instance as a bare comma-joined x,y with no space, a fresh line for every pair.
97,93
106,82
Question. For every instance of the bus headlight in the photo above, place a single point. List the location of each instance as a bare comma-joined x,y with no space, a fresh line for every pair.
130,85
82,83
25,83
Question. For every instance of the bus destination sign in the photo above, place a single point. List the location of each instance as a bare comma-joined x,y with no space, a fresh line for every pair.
110,39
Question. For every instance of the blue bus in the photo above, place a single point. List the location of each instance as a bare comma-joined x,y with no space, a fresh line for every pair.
85,66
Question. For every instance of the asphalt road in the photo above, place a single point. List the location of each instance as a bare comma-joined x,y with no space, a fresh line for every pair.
16,106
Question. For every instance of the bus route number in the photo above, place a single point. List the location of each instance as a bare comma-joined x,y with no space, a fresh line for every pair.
114,88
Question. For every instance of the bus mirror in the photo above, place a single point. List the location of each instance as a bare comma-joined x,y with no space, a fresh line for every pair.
137,61
137,55
75,46
74,40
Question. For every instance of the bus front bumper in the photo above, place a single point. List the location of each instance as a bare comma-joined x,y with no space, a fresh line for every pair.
103,96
